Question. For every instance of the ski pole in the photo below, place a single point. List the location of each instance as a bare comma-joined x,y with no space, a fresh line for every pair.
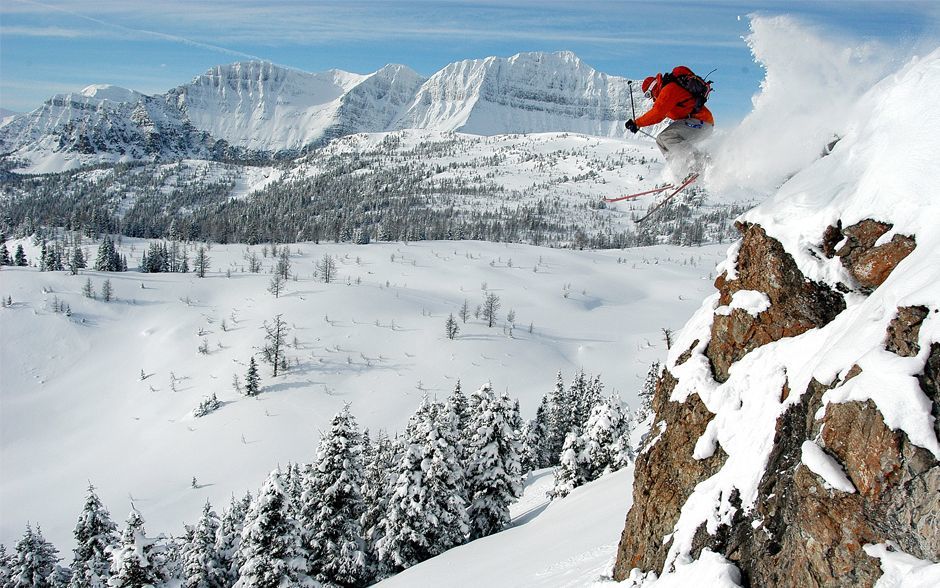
633,109
632,106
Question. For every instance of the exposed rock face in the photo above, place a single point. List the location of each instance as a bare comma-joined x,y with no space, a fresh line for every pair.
800,531
869,264
796,304
665,479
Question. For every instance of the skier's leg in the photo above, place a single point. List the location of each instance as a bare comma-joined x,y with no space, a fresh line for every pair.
678,141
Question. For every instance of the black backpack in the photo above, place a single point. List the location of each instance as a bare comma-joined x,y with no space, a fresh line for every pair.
694,85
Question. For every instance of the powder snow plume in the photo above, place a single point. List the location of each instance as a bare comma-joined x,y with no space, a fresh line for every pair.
813,80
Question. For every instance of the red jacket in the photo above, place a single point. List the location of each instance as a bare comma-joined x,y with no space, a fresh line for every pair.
672,101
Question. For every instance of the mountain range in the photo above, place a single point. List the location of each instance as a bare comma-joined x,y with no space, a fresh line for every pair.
259,110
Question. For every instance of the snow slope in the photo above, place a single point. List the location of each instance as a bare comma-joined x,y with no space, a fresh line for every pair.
572,542
74,403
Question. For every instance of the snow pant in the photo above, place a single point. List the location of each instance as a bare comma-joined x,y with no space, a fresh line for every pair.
678,140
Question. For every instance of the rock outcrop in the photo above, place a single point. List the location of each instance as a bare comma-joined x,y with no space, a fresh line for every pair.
799,530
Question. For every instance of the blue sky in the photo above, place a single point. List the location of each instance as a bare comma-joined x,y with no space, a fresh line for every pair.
54,46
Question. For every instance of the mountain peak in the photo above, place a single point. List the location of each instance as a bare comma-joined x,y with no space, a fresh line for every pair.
109,92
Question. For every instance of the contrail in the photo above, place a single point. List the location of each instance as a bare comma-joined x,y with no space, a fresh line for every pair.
154,34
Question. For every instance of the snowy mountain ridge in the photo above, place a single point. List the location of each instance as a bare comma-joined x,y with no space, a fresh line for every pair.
256,108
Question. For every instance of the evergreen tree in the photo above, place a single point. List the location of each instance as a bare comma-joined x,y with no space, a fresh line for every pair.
43,257
606,448
228,539
333,504
107,259
572,469
270,549
582,397
539,432
378,483
562,419
6,567
88,291
95,536
252,379
34,561
457,403
494,476
106,291
136,560
426,511
19,258
77,260
647,392
601,447
532,439
5,258
201,565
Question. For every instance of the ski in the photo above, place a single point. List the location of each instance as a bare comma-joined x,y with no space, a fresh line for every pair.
688,182
638,194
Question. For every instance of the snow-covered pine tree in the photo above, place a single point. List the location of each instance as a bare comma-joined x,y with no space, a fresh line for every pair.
270,551
295,486
540,431
333,504
377,486
494,475
5,258
105,260
445,477
646,393
603,439
201,565
229,537
583,398
252,379
561,419
19,257
457,404
6,567
572,470
135,561
426,512
34,562
76,260
95,536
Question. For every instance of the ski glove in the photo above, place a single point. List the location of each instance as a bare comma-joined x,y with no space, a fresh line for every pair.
631,126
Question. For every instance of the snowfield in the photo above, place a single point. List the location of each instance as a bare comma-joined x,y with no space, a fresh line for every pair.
75,405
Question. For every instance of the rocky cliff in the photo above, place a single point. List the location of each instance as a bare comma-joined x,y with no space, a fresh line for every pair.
797,414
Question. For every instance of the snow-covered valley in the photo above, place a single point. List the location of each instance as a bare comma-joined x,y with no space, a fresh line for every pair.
374,338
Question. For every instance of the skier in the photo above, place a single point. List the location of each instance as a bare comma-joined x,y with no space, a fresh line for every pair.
680,96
